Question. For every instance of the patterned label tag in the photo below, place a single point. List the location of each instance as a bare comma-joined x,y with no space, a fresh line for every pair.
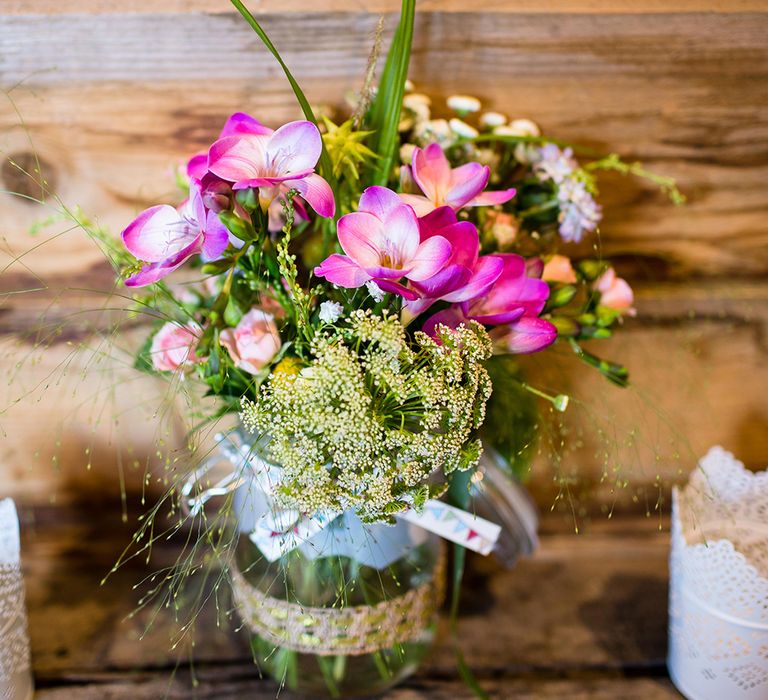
455,525
280,532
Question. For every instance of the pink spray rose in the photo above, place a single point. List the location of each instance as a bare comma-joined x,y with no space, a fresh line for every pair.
254,342
173,347
615,293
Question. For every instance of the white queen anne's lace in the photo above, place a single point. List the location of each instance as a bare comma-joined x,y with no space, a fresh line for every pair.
719,582
15,676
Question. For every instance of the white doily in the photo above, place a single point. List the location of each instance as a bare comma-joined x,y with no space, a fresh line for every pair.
15,672
718,628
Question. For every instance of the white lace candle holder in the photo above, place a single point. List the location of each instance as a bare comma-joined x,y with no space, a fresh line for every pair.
15,668
718,603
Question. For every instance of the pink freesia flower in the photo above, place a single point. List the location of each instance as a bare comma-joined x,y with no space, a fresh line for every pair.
559,269
237,124
445,186
514,300
254,342
166,237
274,162
615,293
466,275
173,347
382,243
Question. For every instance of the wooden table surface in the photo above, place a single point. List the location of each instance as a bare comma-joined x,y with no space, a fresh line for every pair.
584,618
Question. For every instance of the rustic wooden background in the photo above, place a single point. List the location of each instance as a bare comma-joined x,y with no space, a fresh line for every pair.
108,97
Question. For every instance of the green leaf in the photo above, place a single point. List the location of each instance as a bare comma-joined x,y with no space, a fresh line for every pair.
386,108
326,169
237,227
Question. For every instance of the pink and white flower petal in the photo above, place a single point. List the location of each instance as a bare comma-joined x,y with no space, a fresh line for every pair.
215,238
197,166
239,158
441,284
241,123
379,201
492,198
432,172
158,233
362,237
484,275
420,204
317,193
155,271
342,271
429,259
467,182
401,231
294,148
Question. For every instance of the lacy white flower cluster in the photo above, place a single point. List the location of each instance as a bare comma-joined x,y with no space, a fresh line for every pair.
372,416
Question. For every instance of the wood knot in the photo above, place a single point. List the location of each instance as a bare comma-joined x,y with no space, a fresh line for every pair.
29,175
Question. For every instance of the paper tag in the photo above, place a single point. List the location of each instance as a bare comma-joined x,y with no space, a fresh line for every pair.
455,525
277,533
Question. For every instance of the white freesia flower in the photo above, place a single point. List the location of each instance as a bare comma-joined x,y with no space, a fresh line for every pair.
330,311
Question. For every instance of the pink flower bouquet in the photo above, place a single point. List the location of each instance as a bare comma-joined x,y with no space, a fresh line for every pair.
350,286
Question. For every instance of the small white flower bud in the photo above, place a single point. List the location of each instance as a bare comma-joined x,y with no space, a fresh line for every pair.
490,120
409,87
518,127
330,311
374,290
463,104
463,129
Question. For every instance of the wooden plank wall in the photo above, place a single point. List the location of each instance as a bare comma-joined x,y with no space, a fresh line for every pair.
109,99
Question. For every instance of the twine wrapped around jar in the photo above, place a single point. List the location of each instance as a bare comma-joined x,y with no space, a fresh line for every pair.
15,669
350,630
718,609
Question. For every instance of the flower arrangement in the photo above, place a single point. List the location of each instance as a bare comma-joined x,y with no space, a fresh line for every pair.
344,285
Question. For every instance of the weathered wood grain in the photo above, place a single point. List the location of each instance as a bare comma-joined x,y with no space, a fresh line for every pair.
52,7
111,106
581,614
226,684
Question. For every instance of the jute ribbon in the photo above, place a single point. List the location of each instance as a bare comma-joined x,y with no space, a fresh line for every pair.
350,630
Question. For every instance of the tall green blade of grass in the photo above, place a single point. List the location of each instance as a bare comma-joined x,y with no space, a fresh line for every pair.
386,108
326,169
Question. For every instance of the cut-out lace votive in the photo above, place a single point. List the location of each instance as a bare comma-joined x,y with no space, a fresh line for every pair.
718,605
15,669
